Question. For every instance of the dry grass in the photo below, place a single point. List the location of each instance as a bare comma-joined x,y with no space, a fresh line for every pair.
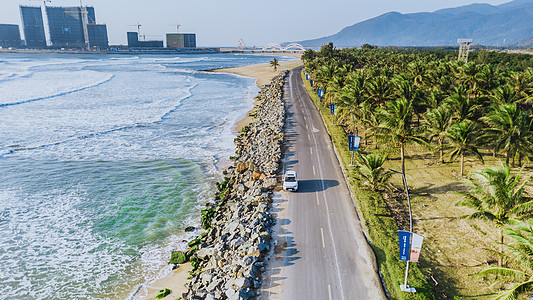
455,248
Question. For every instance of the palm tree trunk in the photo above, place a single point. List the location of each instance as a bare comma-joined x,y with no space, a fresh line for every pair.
507,156
402,153
500,260
441,151
462,164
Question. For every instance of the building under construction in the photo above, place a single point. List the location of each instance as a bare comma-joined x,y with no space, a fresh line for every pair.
33,26
75,27
69,27
181,40
134,42
10,36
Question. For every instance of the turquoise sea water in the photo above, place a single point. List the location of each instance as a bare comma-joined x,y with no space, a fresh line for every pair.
104,160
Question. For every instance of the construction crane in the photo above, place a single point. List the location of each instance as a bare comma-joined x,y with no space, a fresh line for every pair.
84,20
177,26
138,25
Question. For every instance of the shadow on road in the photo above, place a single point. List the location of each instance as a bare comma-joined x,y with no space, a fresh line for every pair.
283,255
316,185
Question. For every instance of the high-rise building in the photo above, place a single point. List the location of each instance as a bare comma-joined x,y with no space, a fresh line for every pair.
181,40
33,26
66,27
67,30
98,36
10,36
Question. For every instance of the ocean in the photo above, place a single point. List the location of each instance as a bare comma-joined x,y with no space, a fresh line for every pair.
104,161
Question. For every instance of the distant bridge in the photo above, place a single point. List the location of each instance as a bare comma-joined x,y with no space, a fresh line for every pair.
270,48
294,47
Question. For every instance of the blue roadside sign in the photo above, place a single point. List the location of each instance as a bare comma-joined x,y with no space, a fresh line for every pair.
332,107
320,93
311,82
307,76
353,143
404,244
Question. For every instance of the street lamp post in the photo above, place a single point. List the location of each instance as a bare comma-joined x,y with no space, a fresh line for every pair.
405,287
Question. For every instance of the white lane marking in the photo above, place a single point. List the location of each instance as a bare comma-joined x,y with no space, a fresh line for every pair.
329,291
308,137
306,127
305,118
336,256
314,172
323,241
317,199
311,149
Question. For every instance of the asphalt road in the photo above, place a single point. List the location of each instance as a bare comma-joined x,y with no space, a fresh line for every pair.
321,252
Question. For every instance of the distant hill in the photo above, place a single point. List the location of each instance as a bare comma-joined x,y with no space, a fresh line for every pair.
505,24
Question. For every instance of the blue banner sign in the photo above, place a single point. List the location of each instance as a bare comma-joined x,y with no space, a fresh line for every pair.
353,143
311,82
332,107
404,244
307,76
320,93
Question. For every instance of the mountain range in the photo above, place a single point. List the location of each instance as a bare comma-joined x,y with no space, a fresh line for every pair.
510,23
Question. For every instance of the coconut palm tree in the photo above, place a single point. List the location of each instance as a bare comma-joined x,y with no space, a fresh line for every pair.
505,94
352,95
498,196
380,90
519,272
462,105
438,121
396,126
463,138
371,172
274,64
510,130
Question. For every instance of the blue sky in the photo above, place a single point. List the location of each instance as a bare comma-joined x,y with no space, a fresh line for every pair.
223,23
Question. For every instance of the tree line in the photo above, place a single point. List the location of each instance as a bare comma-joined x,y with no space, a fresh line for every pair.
395,97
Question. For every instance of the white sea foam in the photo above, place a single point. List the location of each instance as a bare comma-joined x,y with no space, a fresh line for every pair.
87,160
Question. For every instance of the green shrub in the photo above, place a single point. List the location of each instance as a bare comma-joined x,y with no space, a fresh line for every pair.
162,294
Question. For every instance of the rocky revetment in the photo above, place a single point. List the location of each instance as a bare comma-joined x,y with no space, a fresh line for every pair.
230,256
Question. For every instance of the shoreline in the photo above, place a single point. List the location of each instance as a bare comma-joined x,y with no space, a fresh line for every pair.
263,73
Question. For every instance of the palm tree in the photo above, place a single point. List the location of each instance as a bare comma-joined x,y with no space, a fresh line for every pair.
505,94
462,105
463,139
380,90
370,170
498,196
274,64
520,270
510,130
438,121
396,126
352,95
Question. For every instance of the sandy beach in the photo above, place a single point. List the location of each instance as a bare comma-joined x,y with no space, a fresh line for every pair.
263,73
